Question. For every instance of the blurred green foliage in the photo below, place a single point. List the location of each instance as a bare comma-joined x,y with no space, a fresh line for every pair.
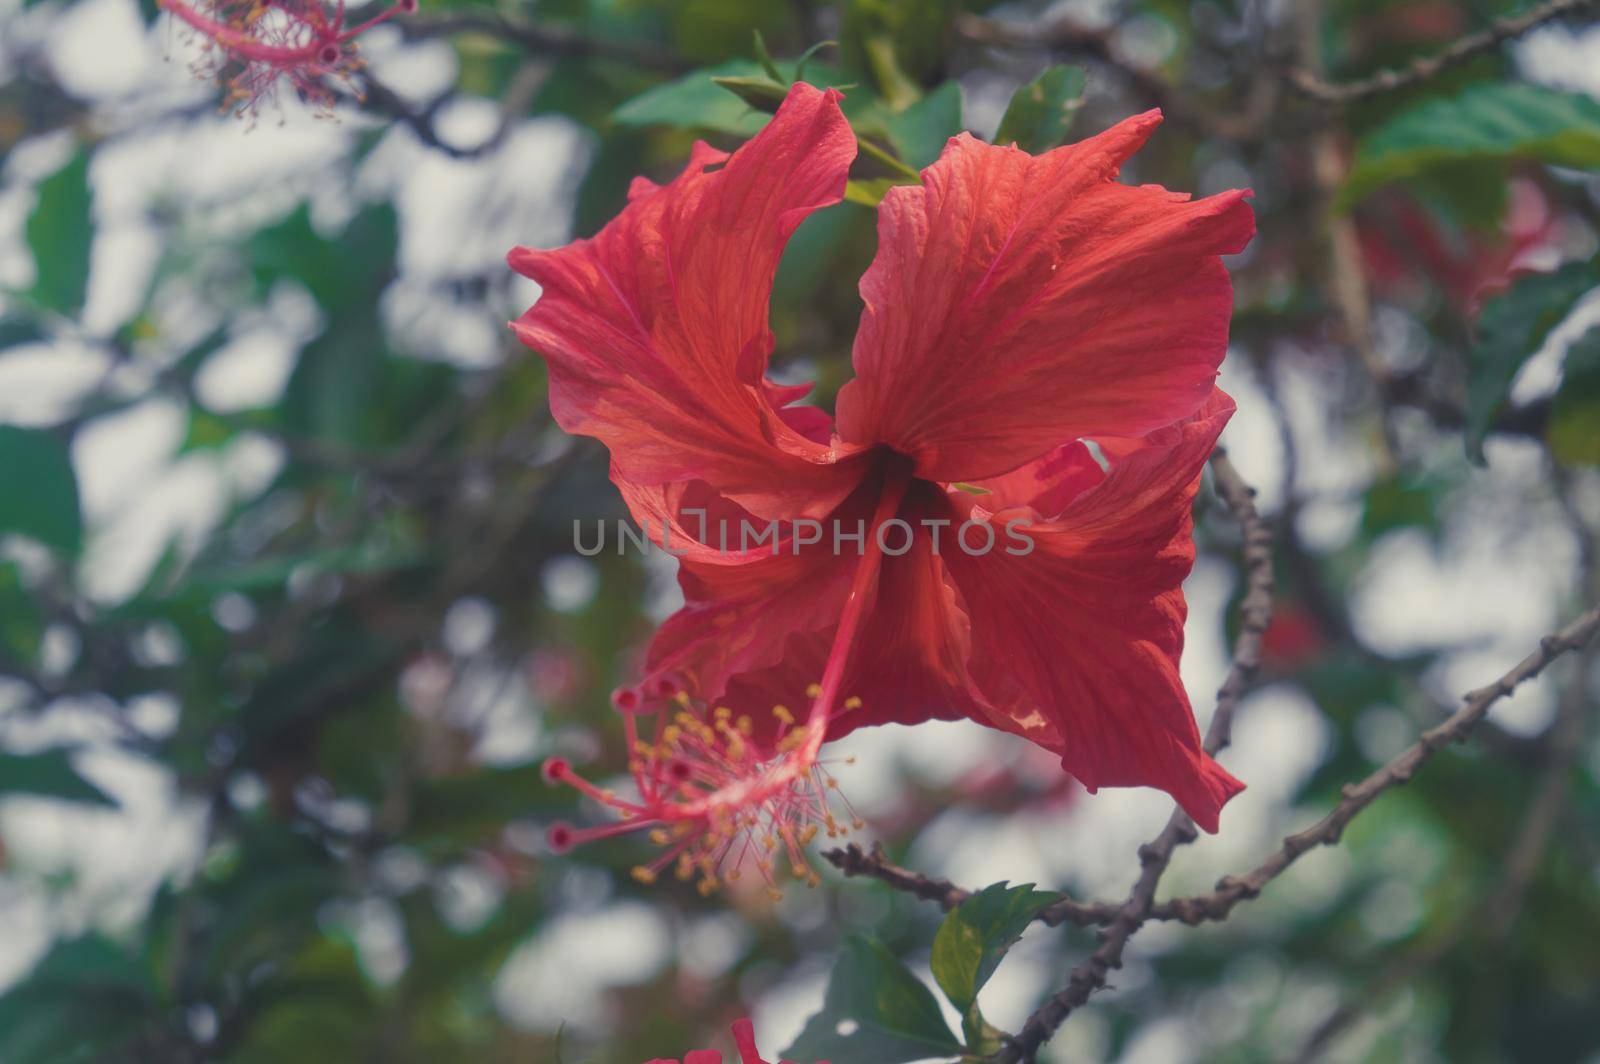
330,718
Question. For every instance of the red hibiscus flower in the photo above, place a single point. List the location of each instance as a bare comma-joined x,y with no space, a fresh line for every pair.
743,1036
981,558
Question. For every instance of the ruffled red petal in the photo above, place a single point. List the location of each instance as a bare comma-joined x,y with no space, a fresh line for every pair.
655,331
1076,645
1018,302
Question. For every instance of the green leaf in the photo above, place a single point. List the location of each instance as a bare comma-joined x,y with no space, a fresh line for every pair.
81,1003
760,93
764,57
1486,122
976,935
16,331
875,1012
698,101
60,231
1041,112
919,132
1511,329
346,268
1401,502
38,490
701,100
1574,428
48,774
869,192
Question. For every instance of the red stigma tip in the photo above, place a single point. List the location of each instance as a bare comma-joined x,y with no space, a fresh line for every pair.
407,6
555,770
560,837
627,699
329,54
665,685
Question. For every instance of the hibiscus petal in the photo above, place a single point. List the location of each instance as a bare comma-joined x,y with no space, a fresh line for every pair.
655,330
1045,485
757,627
1076,645
1019,302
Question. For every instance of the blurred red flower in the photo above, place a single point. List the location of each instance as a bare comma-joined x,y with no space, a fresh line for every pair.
1018,307
254,44
743,1037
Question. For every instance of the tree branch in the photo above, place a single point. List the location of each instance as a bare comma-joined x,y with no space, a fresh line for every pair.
1357,796
1070,37
852,860
1308,83
1256,611
538,39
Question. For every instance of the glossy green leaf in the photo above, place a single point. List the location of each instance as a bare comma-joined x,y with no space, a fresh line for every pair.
735,97
60,231
48,774
698,101
38,490
1041,112
920,131
1510,331
976,935
875,1012
1497,121
759,93
869,192
80,1005
1574,429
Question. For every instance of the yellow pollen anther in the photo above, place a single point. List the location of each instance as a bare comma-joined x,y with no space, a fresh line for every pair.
774,893
813,690
644,875
852,702
660,837
722,713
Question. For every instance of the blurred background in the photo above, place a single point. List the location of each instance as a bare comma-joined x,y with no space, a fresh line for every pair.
290,610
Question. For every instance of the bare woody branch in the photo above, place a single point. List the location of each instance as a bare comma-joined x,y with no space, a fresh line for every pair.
1070,37
1231,890
1497,33
1357,796
1256,612
539,39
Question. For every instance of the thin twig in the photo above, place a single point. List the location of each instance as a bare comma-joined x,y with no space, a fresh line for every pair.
1357,796
1069,37
539,39
520,91
1307,81
1492,918
852,860
1256,614
1346,269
